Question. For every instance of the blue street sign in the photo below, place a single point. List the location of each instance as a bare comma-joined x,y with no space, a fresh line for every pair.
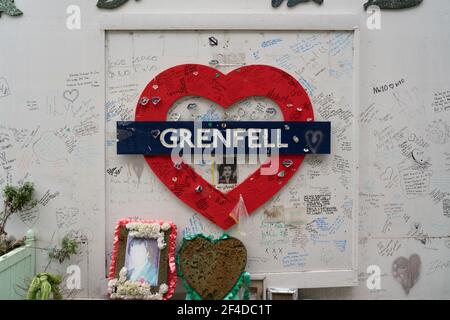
163,137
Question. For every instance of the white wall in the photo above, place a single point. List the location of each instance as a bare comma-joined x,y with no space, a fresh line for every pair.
59,144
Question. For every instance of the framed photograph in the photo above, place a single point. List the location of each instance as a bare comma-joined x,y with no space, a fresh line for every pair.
142,260
142,266
227,172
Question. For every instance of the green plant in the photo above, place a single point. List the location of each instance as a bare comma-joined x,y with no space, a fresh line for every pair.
8,243
15,200
45,286
67,247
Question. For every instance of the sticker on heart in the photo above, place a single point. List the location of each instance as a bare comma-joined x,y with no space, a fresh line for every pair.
224,89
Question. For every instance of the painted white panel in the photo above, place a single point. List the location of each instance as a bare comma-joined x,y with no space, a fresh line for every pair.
315,231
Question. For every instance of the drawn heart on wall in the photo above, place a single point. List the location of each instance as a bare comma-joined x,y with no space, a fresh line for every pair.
212,267
29,217
224,89
407,271
387,174
71,95
138,168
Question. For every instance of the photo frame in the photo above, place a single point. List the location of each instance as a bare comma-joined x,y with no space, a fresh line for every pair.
227,172
143,260
226,177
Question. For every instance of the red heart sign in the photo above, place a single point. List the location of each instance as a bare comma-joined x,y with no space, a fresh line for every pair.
224,89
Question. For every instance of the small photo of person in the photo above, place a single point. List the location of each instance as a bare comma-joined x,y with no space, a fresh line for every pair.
142,260
227,173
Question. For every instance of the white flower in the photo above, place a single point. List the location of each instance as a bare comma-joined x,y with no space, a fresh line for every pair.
132,233
130,290
163,288
147,230
123,274
165,226
154,227
121,290
133,225
144,289
161,243
112,283
155,296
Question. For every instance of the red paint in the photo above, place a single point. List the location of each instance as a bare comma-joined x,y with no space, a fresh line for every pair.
224,89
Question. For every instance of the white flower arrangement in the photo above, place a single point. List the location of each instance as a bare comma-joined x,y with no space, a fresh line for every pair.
165,226
163,288
161,243
149,230
112,284
122,275
131,290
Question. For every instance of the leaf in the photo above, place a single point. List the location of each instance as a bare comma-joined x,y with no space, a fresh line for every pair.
276,3
110,4
67,247
9,8
292,3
